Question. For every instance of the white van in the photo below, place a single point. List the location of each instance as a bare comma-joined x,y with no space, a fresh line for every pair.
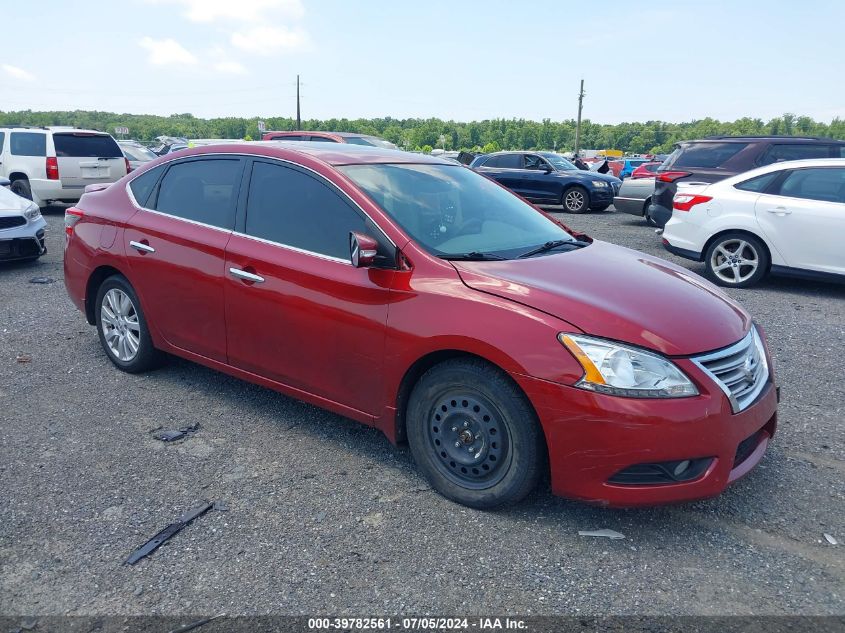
54,164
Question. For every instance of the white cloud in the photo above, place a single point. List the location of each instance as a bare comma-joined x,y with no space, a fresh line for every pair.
17,73
266,40
243,10
167,52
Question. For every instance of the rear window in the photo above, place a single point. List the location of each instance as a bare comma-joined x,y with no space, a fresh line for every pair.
135,152
86,146
704,155
505,161
28,143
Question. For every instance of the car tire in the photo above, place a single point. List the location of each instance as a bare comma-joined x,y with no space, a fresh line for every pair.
125,336
473,434
736,260
22,188
575,199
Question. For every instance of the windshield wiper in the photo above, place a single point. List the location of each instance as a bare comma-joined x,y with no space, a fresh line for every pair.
474,256
548,246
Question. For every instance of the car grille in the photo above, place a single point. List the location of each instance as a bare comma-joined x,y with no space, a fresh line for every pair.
741,370
11,222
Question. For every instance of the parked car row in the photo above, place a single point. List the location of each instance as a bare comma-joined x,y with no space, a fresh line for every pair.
511,345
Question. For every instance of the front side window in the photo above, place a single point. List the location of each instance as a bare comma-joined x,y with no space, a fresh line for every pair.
758,184
28,143
295,209
203,191
81,145
559,162
826,184
534,162
451,211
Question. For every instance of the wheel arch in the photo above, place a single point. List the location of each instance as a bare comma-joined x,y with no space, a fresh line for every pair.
722,232
18,175
95,280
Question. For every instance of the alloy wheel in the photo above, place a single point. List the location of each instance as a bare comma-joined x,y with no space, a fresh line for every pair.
734,261
121,327
574,200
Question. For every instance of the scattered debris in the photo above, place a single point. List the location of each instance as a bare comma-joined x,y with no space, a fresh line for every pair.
171,530
23,358
27,624
41,280
611,534
221,506
321,516
138,590
197,624
830,539
373,520
169,435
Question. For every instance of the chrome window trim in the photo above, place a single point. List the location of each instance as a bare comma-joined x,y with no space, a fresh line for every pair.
319,176
750,339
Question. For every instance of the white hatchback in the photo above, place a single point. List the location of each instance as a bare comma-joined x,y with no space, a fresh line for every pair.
787,218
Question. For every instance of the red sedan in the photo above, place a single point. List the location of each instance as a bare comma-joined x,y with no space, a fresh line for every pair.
411,294
646,170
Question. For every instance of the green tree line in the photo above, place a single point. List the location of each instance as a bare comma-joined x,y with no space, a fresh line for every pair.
419,134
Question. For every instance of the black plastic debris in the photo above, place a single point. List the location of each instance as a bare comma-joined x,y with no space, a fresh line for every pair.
167,533
197,624
169,435
41,280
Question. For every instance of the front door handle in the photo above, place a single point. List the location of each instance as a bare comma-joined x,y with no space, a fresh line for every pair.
141,247
779,211
246,276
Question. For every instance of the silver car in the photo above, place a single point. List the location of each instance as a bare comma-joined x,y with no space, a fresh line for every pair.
634,197
136,153
21,227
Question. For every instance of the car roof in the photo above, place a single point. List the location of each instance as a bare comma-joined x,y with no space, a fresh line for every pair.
746,139
319,132
331,153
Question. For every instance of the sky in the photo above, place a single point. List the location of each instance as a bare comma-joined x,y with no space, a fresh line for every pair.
453,59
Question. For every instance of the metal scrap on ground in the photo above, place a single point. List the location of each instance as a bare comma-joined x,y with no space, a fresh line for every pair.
611,534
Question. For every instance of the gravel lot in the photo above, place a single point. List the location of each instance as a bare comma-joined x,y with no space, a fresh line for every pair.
325,516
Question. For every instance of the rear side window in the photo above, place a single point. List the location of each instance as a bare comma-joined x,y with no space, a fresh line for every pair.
506,161
323,139
289,137
758,184
798,151
652,168
86,146
824,183
201,190
143,185
28,143
704,155
292,208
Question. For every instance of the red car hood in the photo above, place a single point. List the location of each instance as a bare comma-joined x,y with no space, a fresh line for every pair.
618,293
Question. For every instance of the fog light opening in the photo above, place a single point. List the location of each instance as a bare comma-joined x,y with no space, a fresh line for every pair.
681,468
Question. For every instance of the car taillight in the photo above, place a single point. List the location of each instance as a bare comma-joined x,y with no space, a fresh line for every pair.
128,167
72,216
686,201
52,168
672,176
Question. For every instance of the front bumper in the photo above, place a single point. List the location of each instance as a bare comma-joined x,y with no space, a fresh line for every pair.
24,242
591,437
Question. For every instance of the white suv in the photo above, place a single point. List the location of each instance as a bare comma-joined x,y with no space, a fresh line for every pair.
54,164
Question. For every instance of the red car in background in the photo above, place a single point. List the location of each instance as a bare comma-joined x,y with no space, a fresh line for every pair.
414,295
329,137
646,170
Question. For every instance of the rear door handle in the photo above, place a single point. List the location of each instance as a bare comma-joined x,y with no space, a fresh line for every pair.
779,211
141,247
246,276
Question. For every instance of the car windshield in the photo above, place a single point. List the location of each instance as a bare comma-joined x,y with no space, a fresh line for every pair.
136,152
452,211
558,161
370,141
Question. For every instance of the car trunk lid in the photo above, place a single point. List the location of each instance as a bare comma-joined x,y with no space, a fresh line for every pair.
86,158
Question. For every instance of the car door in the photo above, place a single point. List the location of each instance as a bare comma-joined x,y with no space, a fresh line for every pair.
805,218
297,311
506,169
175,245
539,183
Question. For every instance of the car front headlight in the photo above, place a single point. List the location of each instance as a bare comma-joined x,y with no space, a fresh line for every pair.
619,370
32,213
600,183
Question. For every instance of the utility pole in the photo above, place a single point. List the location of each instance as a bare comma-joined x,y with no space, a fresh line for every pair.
578,126
299,121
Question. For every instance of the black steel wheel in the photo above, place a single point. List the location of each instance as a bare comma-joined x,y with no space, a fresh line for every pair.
473,434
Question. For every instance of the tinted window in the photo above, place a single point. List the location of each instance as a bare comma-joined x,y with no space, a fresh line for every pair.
28,143
86,146
323,139
652,168
797,151
758,184
201,190
291,137
506,161
823,183
143,185
2,139
292,208
534,162
704,155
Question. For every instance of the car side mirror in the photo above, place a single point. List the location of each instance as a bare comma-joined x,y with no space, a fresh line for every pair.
5,182
362,249
547,168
